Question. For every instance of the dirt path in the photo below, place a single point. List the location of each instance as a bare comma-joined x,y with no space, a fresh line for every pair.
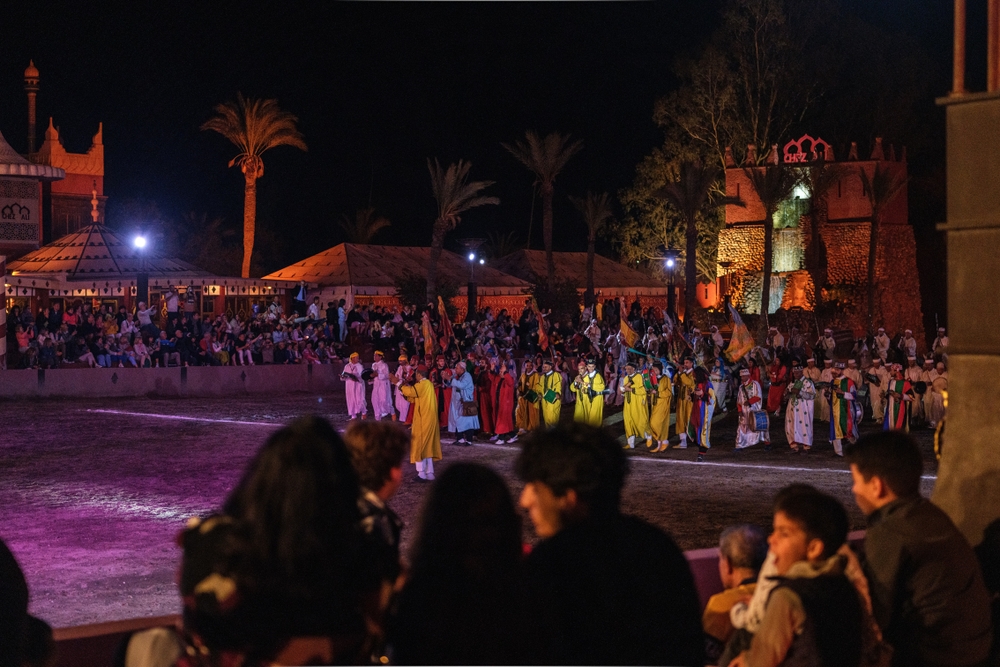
93,493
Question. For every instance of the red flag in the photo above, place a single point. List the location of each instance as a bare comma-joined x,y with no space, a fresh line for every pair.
447,333
543,335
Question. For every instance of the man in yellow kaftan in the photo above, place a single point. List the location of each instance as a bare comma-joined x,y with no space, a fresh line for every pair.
659,419
636,409
683,387
528,395
425,443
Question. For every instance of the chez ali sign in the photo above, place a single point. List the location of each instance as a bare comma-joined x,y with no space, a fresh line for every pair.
806,149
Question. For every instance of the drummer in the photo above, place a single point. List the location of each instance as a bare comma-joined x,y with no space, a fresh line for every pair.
750,408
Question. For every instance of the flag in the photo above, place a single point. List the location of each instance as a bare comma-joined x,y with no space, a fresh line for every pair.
428,332
630,337
741,343
543,335
447,334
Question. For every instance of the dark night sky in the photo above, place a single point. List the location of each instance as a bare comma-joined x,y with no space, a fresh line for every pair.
378,88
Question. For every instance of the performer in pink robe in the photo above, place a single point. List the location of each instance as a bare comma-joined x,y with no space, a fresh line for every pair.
381,388
357,403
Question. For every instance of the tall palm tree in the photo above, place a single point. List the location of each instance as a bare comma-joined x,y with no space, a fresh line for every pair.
690,194
254,126
596,211
773,184
363,227
455,195
819,177
501,245
881,189
545,157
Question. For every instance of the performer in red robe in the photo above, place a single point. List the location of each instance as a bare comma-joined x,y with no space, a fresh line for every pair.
778,375
440,376
505,403
486,396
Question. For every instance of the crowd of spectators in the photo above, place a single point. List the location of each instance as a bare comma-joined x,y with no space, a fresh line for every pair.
302,565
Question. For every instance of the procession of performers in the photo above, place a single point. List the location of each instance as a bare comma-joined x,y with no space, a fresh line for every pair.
662,400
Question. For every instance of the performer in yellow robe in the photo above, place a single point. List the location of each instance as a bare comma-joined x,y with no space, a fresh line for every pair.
684,386
425,443
578,395
551,393
659,418
589,396
526,414
636,409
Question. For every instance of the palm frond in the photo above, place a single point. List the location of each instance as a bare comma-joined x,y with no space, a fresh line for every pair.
596,211
255,126
454,194
363,227
544,156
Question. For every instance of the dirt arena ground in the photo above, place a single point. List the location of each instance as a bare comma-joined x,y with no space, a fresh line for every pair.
93,493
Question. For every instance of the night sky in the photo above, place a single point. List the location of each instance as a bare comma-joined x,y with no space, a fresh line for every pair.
378,88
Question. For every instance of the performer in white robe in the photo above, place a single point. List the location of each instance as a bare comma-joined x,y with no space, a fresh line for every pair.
820,406
938,388
354,389
882,344
749,398
908,344
927,376
381,387
405,373
827,345
799,414
913,373
876,391
939,348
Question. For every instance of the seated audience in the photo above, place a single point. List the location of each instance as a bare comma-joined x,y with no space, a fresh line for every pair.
465,601
927,589
814,616
742,550
621,591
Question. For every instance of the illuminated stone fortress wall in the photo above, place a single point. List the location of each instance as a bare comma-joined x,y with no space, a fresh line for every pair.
845,225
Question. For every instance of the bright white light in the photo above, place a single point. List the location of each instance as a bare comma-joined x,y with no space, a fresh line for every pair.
472,256
482,261
670,263
800,192
139,242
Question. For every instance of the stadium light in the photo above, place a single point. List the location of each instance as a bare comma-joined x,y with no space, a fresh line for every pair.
139,242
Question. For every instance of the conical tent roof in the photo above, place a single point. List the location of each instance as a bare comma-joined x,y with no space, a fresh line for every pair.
95,251
12,164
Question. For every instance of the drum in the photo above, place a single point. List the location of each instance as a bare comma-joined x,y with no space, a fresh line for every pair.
551,396
531,396
759,421
367,374
862,392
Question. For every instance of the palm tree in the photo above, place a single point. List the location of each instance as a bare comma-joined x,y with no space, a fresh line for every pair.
364,226
545,158
881,189
501,245
596,211
819,178
454,195
254,126
773,184
690,194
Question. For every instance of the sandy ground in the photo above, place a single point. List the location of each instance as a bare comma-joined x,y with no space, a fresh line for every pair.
93,493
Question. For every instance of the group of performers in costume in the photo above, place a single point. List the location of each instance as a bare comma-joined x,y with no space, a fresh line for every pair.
486,396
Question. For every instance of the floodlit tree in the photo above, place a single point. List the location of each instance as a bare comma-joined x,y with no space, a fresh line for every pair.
819,177
363,227
881,188
255,126
454,194
773,184
691,195
596,211
545,157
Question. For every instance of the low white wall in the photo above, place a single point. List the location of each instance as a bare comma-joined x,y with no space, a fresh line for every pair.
170,382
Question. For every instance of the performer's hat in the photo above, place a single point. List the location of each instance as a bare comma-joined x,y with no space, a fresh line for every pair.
840,365
827,330
796,366
402,358
810,359
909,331
354,355
852,362
929,360
649,328
546,362
828,361
591,360
940,329
379,353
882,329
877,360
911,358
422,369
773,328
713,328
629,363
744,371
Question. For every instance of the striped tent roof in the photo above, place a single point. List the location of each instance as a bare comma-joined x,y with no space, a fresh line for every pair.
95,251
351,264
